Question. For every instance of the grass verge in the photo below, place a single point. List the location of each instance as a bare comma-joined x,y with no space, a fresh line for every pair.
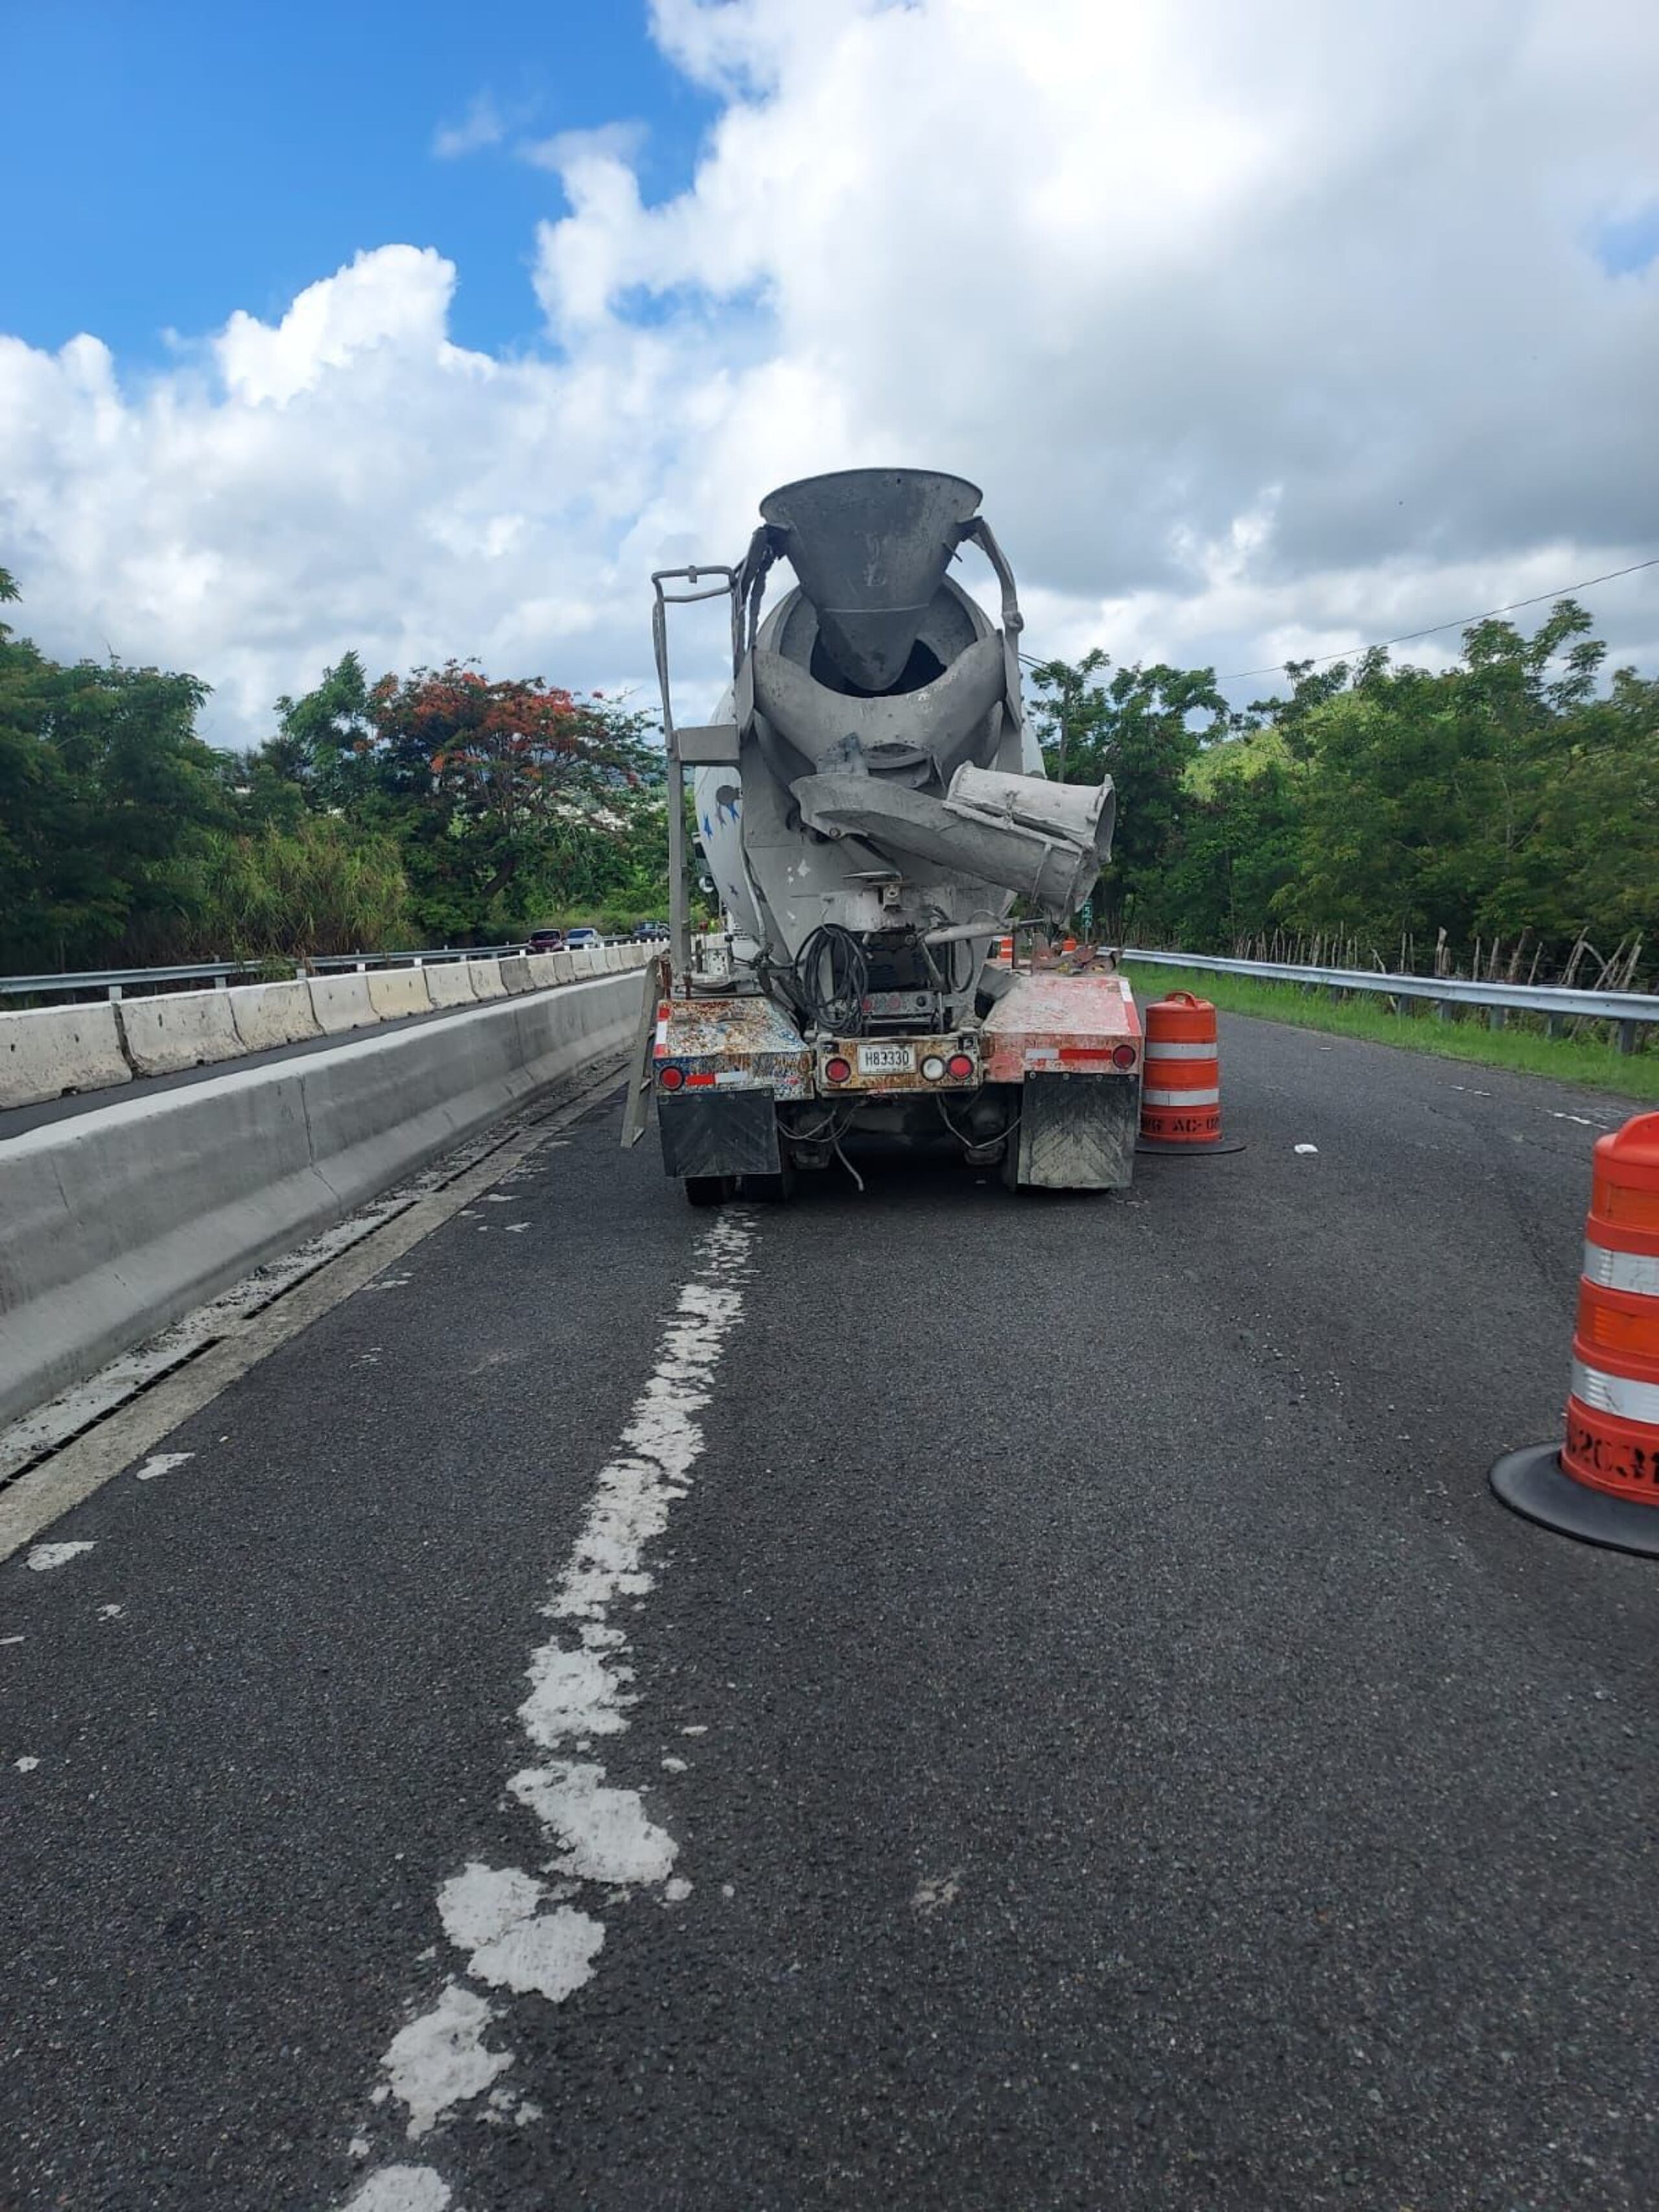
1592,1066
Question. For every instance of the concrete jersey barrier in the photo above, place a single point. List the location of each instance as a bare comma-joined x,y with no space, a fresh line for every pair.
450,983
54,1049
49,1051
396,993
487,981
178,1029
341,1003
267,1014
121,1219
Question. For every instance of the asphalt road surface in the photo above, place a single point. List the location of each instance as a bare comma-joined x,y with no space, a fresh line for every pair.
918,1698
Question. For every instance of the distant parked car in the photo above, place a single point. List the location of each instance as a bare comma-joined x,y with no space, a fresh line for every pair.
545,940
574,938
649,932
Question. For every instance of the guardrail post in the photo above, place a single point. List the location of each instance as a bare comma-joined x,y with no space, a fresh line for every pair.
1442,1010
115,990
1496,1017
1626,1036
1555,1025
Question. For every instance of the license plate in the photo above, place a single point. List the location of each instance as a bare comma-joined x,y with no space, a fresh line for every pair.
886,1059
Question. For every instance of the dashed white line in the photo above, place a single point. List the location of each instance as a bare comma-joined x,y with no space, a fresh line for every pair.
161,1463
44,1557
519,1934
402,2189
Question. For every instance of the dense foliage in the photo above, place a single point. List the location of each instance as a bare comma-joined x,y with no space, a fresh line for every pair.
1507,807
1511,801
439,808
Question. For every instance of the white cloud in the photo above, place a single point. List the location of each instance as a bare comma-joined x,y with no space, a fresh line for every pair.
481,126
566,150
1266,330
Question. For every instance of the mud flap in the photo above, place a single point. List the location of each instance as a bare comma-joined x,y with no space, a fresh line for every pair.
1077,1132
719,1134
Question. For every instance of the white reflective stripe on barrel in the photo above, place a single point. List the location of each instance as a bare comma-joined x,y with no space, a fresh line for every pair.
1615,1394
1157,1050
1622,1271
1211,1097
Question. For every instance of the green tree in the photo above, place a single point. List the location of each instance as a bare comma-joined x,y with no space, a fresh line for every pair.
1144,727
108,800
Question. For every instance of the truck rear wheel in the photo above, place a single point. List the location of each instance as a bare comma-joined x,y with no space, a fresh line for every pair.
770,1189
708,1190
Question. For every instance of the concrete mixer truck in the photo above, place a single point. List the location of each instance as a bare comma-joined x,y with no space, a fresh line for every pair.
871,805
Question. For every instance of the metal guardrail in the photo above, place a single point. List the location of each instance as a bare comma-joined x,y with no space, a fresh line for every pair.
1557,1002
116,983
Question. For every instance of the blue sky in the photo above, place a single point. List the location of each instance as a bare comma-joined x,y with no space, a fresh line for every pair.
1263,336
179,159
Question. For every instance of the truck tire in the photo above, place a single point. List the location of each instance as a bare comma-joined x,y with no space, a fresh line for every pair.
708,1190
770,1189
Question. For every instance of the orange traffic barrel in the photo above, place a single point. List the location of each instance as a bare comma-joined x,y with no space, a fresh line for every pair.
1180,1082
1602,1482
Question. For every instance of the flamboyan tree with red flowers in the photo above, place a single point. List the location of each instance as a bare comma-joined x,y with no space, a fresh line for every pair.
506,772
506,795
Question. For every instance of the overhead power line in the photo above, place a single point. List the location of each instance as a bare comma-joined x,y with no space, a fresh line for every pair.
1459,622
1410,636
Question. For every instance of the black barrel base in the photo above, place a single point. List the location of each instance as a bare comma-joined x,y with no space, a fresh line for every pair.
1161,1148
1531,1482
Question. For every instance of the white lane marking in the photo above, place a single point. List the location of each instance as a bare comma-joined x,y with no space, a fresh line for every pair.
389,1282
1582,1120
26,1766
494,1913
607,1835
1304,1148
580,1688
10,1639
439,2060
671,1766
517,1227
678,1891
503,2107
111,1612
162,1463
934,1890
400,2188
496,1198
44,1557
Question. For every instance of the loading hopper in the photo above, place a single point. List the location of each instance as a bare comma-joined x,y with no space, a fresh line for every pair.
871,547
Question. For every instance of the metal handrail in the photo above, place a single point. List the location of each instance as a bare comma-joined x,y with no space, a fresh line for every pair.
1558,1001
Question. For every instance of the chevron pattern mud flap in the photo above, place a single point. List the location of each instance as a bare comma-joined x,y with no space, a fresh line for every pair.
1077,1132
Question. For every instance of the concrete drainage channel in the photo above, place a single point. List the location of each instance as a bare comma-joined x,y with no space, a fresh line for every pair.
122,1220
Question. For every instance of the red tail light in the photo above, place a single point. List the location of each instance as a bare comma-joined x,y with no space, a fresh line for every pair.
837,1070
670,1079
959,1067
1123,1055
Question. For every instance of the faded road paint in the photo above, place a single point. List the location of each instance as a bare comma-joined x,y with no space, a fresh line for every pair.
518,1935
